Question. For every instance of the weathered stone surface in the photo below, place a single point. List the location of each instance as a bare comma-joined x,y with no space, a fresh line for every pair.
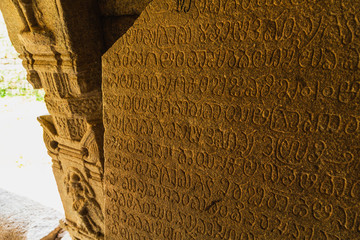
115,27
234,120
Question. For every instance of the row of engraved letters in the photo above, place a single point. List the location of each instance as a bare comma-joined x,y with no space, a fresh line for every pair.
231,7
259,222
324,184
250,58
195,227
242,143
238,87
120,227
203,160
216,137
290,230
275,118
299,28
282,178
294,231
285,150
247,197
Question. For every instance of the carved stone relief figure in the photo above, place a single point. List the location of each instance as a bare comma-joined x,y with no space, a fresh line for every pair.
84,202
79,165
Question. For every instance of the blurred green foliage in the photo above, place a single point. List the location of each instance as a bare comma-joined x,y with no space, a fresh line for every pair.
12,74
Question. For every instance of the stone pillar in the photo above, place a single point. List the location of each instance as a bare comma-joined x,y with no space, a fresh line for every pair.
60,43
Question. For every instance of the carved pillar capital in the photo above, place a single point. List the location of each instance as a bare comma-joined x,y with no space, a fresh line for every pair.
60,43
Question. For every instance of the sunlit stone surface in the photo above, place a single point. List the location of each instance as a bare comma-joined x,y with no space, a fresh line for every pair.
234,120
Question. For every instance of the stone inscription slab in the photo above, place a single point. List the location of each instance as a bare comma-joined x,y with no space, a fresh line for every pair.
234,119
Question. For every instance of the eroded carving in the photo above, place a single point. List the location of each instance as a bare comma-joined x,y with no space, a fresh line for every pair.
84,202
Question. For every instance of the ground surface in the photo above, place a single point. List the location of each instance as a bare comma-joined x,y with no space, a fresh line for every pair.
25,167
22,218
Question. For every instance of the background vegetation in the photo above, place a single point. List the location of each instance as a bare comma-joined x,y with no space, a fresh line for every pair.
12,74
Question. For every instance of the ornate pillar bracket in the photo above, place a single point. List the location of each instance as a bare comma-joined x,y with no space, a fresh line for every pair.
60,43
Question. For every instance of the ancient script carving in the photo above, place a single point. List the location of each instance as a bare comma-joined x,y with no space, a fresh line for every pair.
183,5
234,120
